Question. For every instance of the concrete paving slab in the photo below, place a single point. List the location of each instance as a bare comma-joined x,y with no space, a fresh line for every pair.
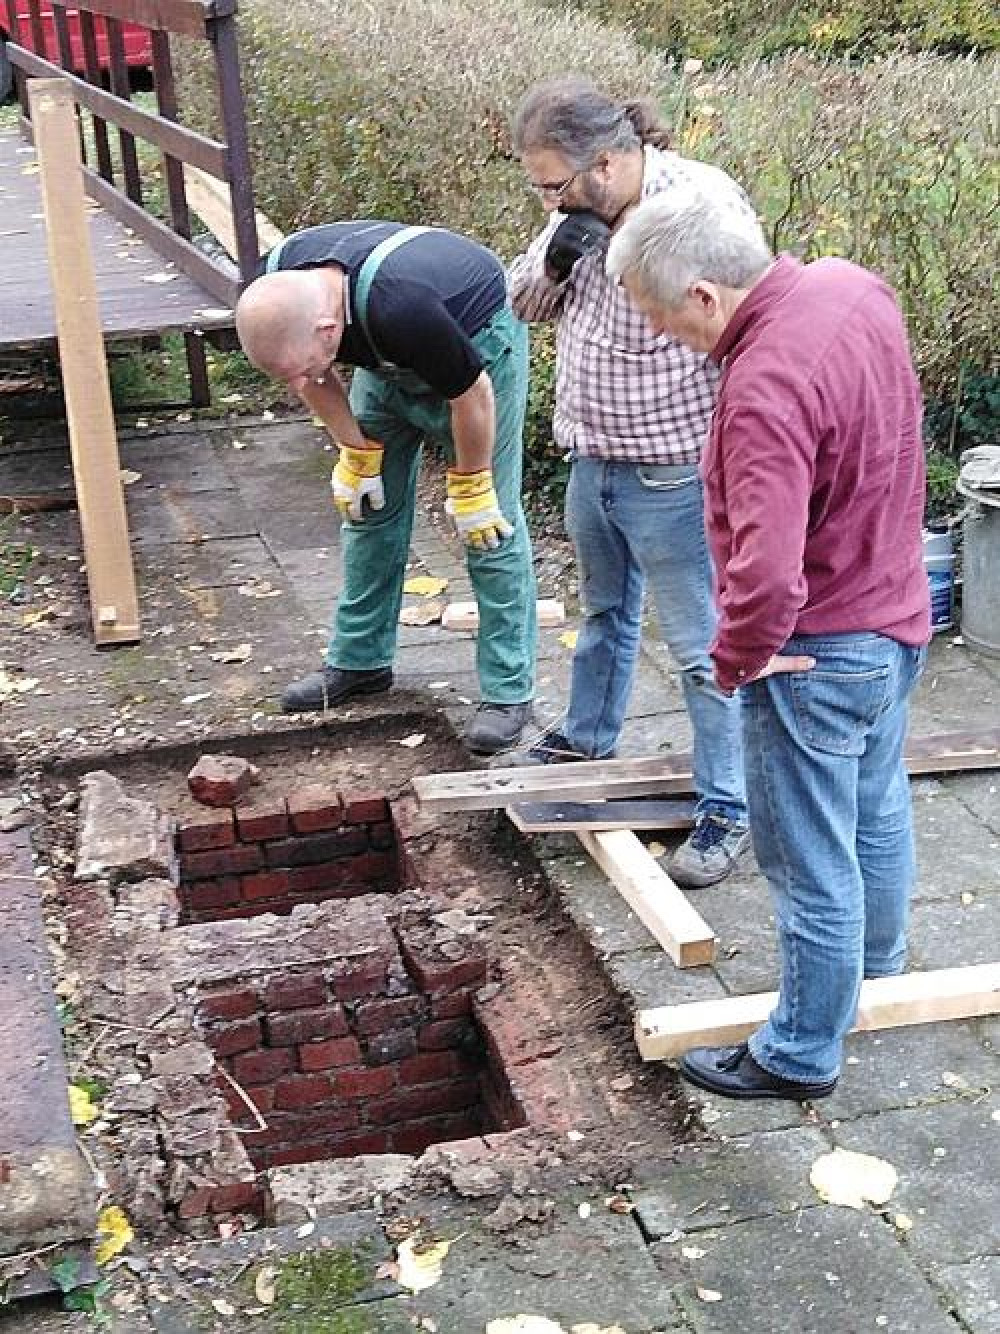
950,934
975,1289
824,1269
720,1184
946,1155
956,852
980,793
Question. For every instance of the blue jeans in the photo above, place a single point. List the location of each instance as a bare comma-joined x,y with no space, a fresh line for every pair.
632,525
832,831
401,413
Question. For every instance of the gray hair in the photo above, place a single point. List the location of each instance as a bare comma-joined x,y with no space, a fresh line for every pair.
675,238
571,116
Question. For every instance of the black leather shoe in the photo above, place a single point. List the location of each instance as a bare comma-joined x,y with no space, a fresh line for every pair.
331,686
733,1073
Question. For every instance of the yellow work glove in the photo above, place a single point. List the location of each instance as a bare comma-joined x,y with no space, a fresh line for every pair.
474,509
358,474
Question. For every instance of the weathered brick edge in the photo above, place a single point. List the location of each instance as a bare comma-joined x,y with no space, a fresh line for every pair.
312,846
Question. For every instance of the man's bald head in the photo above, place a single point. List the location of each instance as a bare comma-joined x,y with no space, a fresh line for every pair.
290,322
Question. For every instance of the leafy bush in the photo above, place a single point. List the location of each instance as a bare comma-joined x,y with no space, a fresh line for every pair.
737,30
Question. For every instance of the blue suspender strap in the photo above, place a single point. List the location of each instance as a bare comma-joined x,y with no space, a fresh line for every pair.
273,256
370,268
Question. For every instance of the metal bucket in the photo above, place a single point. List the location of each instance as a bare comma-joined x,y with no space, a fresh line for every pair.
981,571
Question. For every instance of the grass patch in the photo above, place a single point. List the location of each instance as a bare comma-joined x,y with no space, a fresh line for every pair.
15,556
311,1286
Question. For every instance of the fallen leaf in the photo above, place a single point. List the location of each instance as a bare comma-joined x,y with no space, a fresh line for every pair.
114,1233
12,685
425,585
223,1307
159,277
619,1204
197,699
218,313
128,476
568,638
264,1285
424,613
849,1178
655,849
692,1252
709,1294
81,1108
306,1230
258,588
241,653
420,1264
240,444
622,1084
413,740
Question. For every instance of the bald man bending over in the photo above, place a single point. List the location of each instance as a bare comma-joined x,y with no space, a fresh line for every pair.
422,315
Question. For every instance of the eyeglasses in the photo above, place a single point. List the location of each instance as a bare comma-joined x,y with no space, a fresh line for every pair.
555,189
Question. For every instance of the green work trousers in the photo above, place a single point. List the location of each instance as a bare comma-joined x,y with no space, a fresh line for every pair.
401,412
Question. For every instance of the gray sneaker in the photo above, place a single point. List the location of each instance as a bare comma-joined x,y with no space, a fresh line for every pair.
496,727
709,852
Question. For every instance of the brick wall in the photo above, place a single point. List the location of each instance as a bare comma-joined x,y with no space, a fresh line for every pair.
312,846
355,1055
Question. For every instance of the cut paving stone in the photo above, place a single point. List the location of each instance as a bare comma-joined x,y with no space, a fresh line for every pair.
715,1184
46,1189
824,1269
121,838
956,854
955,934
946,1157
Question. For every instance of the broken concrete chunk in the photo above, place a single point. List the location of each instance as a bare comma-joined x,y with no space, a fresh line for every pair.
220,780
308,1190
122,838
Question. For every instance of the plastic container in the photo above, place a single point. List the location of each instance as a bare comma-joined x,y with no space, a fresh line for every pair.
981,571
939,562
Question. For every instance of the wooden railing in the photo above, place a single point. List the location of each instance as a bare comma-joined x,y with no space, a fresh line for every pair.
101,42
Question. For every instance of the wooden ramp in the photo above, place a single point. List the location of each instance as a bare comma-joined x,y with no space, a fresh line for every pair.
138,291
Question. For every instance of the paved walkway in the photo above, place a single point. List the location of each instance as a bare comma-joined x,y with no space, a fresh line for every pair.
236,553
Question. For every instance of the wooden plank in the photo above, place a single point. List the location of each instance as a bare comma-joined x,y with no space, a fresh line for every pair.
211,200
595,780
465,615
886,1002
562,817
583,780
93,442
653,897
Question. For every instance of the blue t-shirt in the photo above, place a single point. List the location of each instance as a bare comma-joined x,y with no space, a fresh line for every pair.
428,300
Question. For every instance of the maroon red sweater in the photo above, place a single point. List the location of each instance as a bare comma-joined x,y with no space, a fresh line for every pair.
814,470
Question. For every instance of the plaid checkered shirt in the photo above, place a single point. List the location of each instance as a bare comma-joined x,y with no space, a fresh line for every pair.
622,392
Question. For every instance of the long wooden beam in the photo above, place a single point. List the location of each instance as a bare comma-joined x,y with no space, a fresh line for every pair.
668,775
886,1002
93,442
653,897
570,817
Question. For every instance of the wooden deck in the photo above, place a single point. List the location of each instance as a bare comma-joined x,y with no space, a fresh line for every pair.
139,292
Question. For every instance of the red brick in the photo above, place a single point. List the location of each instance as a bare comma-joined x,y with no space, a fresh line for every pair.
262,1067
262,1098
384,837
435,974
419,1135
315,808
264,885
196,1203
296,993
287,1030
325,1055
354,979
237,1196
427,1068
255,823
204,895
206,829
325,1121
443,1033
227,1005
305,1153
382,1016
426,1100
364,1083
223,861
311,849
234,1037
301,1091
322,878
389,1048
375,868
452,1005
349,1146
369,808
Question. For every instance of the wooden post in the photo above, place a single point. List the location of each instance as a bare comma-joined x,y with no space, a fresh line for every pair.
93,442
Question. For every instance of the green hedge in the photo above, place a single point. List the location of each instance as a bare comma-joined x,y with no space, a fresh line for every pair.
737,30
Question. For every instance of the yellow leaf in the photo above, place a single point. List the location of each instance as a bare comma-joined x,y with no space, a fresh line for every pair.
81,1109
420,1264
846,1177
425,585
114,1232
568,638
